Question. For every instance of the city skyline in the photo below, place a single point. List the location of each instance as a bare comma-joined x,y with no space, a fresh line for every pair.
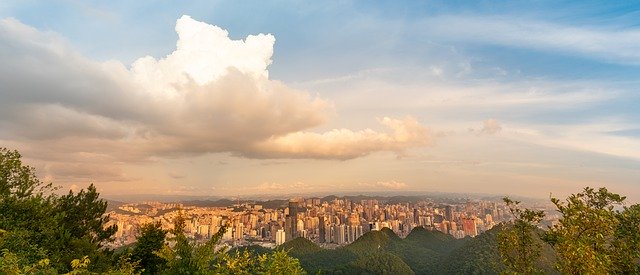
331,222
254,98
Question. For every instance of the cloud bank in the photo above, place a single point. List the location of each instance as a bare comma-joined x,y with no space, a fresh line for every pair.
212,94
386,185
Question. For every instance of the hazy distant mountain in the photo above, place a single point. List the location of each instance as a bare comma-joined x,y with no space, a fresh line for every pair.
386,197
134,198
113,205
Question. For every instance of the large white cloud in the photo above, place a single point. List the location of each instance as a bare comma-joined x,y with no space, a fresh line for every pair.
212,94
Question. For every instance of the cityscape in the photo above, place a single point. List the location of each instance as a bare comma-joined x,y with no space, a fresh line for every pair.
319,137
330,222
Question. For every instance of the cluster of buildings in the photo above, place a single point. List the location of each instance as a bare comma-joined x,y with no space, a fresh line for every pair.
329,223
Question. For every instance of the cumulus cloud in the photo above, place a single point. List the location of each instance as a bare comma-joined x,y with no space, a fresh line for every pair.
212,94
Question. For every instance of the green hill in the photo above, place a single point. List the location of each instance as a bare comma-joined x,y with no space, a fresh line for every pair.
421,252
434,240
480,255
374,241
299,246
378,263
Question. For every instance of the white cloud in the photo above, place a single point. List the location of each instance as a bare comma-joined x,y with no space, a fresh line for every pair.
212,94
204,54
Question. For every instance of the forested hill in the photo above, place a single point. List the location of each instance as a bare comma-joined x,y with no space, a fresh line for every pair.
421,252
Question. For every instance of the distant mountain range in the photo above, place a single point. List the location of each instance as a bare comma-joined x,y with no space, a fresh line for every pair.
384,197
280,203
421,252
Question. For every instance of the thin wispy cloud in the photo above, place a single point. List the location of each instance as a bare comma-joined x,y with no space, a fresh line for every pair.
617,44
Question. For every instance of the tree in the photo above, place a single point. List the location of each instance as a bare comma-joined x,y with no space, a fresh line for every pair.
585,237
26,209
278,262
38,224
246,262
81,229
187,257
150,240
18,181
626,243
518,243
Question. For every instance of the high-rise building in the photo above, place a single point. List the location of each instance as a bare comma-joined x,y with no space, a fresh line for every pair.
293,214
239,231
322,230
340,234
488,218
299,228
288,227
448,213
280,237
203,230
469,227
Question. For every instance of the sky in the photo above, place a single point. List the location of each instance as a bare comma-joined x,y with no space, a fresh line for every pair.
228,98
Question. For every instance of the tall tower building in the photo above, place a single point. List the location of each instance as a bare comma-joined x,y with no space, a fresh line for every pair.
322,229
448,213
293,214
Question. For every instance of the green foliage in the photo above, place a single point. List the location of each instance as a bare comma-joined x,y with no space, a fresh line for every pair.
626,242
245,262
585,237
188,257
10,263
253,249
26,209
38,224
150,240
519,245
422,251
125,265
18,181
278,262
379,262
81,229
434,240
479,255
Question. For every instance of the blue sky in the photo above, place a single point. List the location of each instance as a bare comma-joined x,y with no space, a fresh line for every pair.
525,97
